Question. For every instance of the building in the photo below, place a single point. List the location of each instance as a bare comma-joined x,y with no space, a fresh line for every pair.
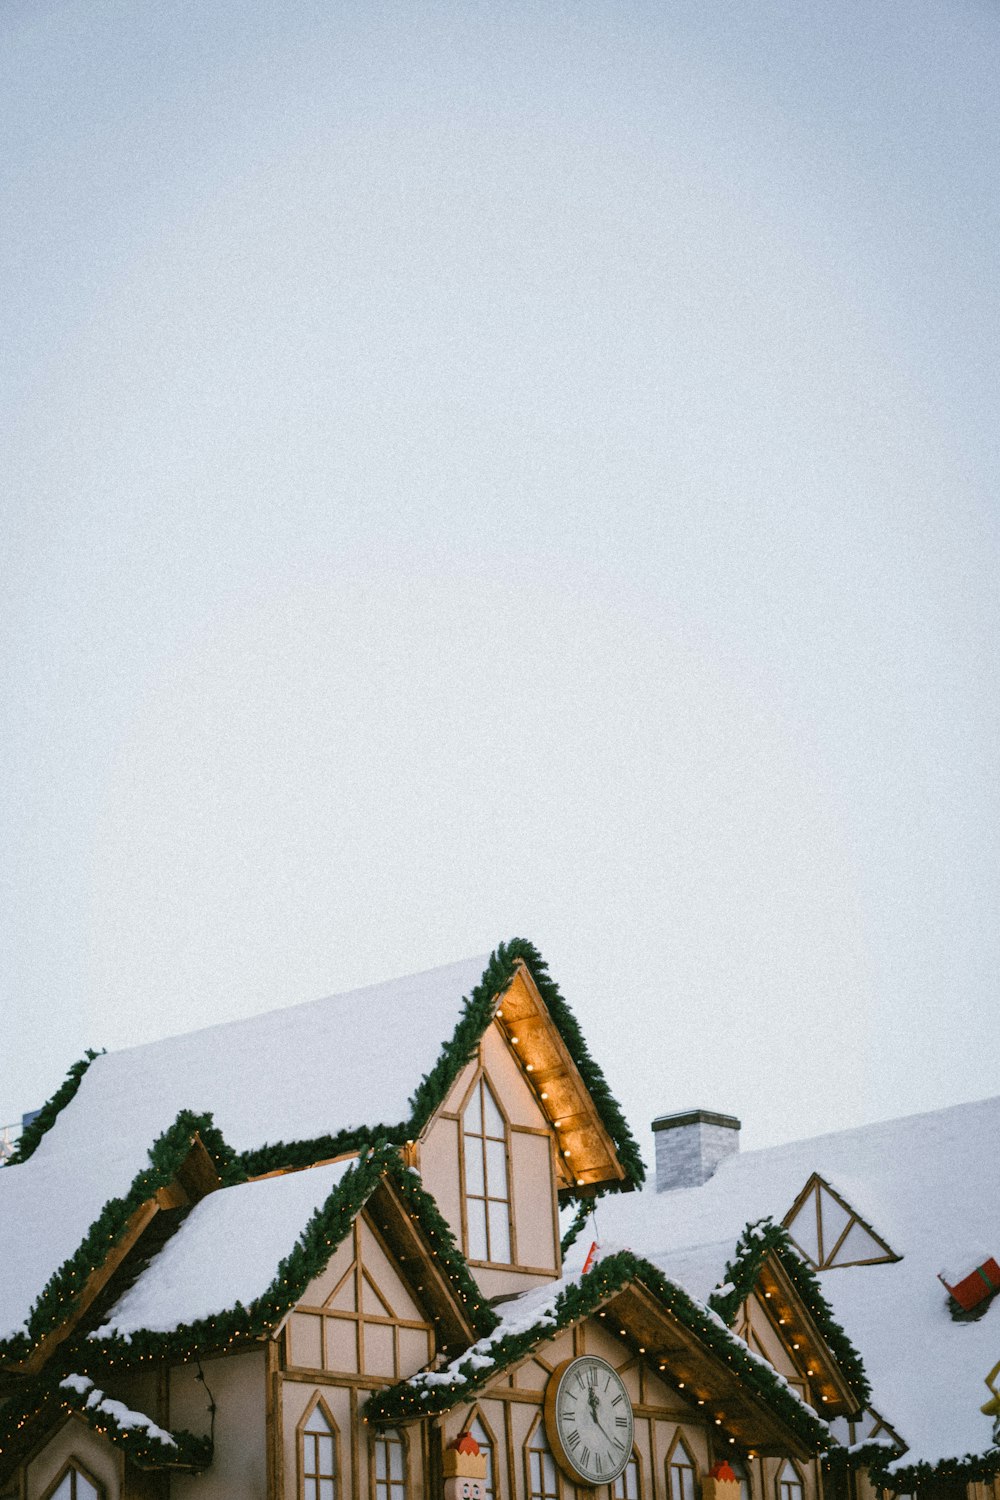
317,1255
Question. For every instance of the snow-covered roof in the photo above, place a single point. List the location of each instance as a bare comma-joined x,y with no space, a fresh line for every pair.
930,1186
226,1251
308,1070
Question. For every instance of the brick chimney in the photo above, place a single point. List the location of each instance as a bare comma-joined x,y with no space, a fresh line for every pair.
690,1145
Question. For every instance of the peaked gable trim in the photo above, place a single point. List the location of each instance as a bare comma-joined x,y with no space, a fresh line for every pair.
478,1012
830,1243
642,1298
419,1229
765,1252
177,1169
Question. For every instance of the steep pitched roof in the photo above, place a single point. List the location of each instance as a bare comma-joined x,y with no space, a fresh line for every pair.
930,1186
320,1079
755,1404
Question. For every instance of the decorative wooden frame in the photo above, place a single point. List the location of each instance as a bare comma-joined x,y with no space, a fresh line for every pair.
816,1187
74,1466
385,1436
531,1446
476,1414
481,1079
635,1457
799,1479
680,1441
317,1402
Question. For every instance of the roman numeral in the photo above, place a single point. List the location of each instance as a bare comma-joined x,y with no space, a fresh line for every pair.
618,1443
616,1400
572,1440
592,1378
585,1456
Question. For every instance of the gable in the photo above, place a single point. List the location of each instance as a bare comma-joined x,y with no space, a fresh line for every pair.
829,1232
360,1316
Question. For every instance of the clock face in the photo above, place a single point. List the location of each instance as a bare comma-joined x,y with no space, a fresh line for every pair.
588,1418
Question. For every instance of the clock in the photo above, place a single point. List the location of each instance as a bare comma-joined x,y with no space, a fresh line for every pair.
588,1419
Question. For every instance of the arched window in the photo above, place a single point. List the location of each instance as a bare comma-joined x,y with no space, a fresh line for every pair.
626,1486
789,1482
682,1471
389,1467
543,1477
485,1442
318,1456
487,1192
74,1483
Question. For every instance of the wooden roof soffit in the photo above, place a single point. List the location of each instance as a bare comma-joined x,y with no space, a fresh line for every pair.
801,1336
196,1177
418,1266
701,1376
586,1153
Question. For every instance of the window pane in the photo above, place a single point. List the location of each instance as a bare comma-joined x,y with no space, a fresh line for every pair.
317,1421
478,1431
309,1488
64,1490
499,1232
396,1460
326,1458
380,1459
474,1110
475,1210
326,1489
475,1182
496,1168
492,1118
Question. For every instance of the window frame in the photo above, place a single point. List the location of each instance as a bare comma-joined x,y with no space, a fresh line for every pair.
74,1466
383,1437
531,1445
477,1415
481,1083
799,1479
681,1442
634,1458
316,1403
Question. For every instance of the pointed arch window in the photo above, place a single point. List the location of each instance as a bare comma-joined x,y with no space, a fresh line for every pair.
318,1455
389,1466
74,1483
626,1486
543,1477
487,1188
789,1482
682,1471
485,1441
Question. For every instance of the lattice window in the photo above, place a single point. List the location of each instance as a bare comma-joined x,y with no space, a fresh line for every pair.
626,1486
487,1189
318,1456
682,1472
389,1466
543,1477
789,1482
75,1484
485,1442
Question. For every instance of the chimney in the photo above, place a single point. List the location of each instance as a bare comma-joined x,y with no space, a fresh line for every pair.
690,1145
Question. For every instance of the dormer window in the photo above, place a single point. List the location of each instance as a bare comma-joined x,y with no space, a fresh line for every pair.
75,1484
487,1186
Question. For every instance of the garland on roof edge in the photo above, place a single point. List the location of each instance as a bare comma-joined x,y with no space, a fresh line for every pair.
59,1297
308,1258
46,1117
409,1399
756,1242
905,1479
434,1087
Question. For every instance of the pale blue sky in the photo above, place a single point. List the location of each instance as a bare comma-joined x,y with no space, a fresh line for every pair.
486,469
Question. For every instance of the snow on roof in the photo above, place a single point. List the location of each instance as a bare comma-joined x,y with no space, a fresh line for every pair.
930,1185
292,1074
227,1250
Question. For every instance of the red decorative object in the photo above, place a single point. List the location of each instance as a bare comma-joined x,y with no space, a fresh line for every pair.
722,1470
978,1285
465,1443
591,1257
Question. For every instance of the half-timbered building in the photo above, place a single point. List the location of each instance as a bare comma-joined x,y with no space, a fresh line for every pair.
328,1254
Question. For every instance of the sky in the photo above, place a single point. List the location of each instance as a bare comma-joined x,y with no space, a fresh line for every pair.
475,470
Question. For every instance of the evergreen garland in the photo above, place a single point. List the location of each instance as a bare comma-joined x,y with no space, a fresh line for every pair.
307,1259
46,1117
59,1297
145,1449
755,1244
584,1208
433,1392
907,1479
434,1087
